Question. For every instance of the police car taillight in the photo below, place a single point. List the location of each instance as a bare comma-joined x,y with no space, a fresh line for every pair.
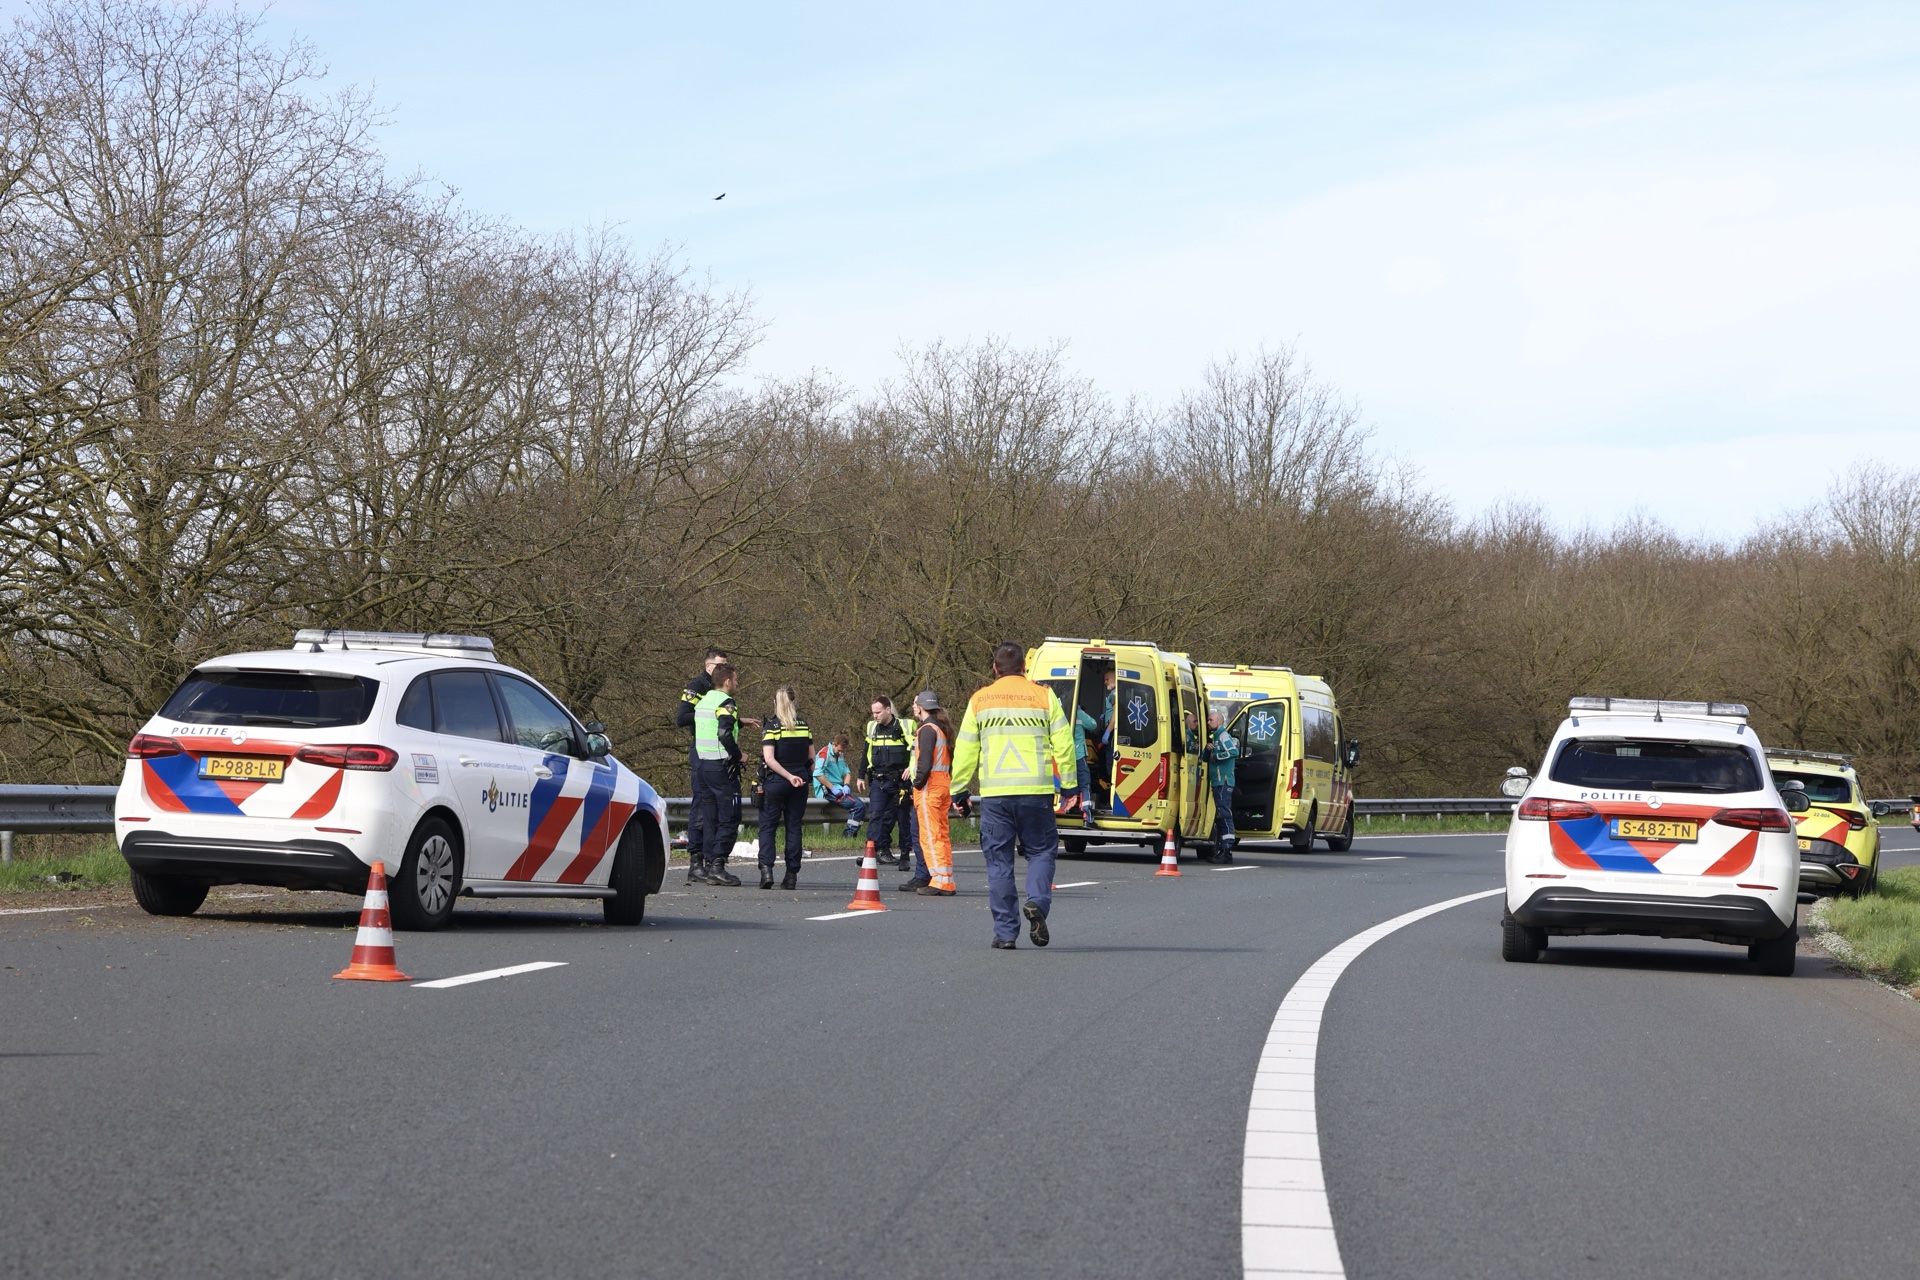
1541,809
379,759
1754,819
149,746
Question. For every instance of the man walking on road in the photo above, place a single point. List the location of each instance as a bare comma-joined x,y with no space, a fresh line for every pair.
1017,740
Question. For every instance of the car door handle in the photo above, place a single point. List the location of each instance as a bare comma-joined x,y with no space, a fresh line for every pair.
468,762
541,771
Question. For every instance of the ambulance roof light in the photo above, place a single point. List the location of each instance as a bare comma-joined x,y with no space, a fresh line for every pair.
1657,707
315,639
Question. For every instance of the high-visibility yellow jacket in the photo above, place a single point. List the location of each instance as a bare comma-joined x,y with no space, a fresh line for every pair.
1016,738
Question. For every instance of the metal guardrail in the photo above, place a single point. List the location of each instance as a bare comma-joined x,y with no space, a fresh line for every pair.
1433,806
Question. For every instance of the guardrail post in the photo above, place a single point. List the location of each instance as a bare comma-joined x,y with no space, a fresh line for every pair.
6,846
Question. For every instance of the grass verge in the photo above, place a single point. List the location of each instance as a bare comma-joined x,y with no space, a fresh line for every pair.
99,866
1883,929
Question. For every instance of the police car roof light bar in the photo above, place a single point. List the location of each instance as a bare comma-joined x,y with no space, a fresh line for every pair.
314,639
1657,707
1788,753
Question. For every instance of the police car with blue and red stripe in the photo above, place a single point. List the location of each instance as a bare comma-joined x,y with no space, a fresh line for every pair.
1656,818
303,767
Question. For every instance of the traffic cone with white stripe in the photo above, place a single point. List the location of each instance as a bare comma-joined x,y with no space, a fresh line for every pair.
1169,858
866,894
373,945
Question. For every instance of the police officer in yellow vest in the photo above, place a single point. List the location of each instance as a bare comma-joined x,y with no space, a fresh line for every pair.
716,775
885,780
1019,743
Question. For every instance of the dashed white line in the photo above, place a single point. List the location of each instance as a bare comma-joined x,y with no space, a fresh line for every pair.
1247,866
1286,1225
463,979
1386,857
846,915
1076,884
38,911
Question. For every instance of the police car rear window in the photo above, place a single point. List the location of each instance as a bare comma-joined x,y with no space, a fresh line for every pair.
1821,788
288,699
1655,765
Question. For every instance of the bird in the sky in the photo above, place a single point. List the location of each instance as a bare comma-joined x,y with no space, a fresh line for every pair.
721,196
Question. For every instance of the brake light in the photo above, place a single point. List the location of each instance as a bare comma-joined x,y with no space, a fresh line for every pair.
1855,821
1293,781
379,759
1754,819
148,746
1164,773
1541,809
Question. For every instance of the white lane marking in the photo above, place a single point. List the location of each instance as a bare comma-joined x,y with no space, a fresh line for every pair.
1286,1225
846,915
1386,857
1075,884
38,911
463,979
1434,835
1251,866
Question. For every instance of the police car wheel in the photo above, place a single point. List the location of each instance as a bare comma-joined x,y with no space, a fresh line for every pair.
628,905
167,895
1775,956
421,895
1519,944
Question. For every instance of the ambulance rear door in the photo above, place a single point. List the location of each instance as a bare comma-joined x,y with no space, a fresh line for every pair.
1260,728
1319,749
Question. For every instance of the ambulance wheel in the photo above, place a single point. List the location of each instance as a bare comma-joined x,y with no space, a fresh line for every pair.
167,895
1775,956
1073,845
1342,840
1302,840
1519,944
420,894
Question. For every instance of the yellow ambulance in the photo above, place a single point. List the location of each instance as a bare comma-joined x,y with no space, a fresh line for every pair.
1148,778
1294,777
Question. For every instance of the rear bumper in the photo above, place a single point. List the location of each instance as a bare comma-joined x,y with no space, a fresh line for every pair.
1730,918
1826,866
294,864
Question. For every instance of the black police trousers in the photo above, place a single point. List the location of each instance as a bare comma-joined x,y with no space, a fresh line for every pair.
716,808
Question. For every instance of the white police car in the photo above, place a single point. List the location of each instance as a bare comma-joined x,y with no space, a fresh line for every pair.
303,767
1655,818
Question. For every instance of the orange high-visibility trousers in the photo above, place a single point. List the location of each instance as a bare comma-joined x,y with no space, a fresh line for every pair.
936,841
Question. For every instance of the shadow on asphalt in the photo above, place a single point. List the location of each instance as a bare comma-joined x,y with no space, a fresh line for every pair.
1730,962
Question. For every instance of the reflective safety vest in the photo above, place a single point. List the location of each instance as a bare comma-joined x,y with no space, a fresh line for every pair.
942,752
706,724
1015,738
887,749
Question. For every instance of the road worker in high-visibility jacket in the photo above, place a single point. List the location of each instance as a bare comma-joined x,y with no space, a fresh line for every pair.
1014,745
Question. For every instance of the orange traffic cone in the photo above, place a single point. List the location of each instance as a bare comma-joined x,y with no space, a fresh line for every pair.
1169,858
866,894
373,945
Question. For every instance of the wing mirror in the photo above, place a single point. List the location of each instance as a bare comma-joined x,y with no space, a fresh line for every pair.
1793,793
1515,784
1352,753
597,744
1879,808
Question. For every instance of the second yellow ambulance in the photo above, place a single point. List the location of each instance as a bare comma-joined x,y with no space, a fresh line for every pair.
1296,762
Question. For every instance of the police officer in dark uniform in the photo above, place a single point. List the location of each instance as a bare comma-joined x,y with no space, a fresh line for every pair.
786,774
697,688
716,775
888,748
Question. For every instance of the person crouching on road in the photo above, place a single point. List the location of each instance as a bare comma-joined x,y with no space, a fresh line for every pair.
932,794
1010,741
885,782
1221,752
716,775
833,781
786,754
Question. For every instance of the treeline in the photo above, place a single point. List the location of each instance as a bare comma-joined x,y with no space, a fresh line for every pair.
249,382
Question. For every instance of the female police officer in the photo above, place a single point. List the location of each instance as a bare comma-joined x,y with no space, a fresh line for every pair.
787,771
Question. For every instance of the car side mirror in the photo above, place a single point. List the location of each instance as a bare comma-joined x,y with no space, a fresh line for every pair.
1879,808
1515,784
1794,796
597,744
1352,756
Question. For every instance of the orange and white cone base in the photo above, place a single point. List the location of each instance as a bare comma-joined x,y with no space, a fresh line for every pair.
1169,858
373,945
866,894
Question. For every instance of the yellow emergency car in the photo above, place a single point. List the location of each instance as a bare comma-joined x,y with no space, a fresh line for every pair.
1137,701
1293,779
1839,839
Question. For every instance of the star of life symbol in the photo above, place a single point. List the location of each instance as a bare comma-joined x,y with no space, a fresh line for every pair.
1138,714
1263,726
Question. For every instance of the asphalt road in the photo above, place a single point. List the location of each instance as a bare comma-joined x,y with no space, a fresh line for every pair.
736,1090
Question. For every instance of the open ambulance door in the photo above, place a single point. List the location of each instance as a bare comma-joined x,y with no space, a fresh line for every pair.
1095,667
1260,728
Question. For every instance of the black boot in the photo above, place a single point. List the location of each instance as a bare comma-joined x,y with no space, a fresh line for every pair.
792,880
717,874
766,876
696,871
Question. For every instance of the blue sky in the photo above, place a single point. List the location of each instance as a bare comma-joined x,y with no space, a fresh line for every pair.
1606,258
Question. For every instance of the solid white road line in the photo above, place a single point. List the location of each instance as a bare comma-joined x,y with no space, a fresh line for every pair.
1386,857
1250,866
38,911
483,976
1286,1225
846,915
1075,884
